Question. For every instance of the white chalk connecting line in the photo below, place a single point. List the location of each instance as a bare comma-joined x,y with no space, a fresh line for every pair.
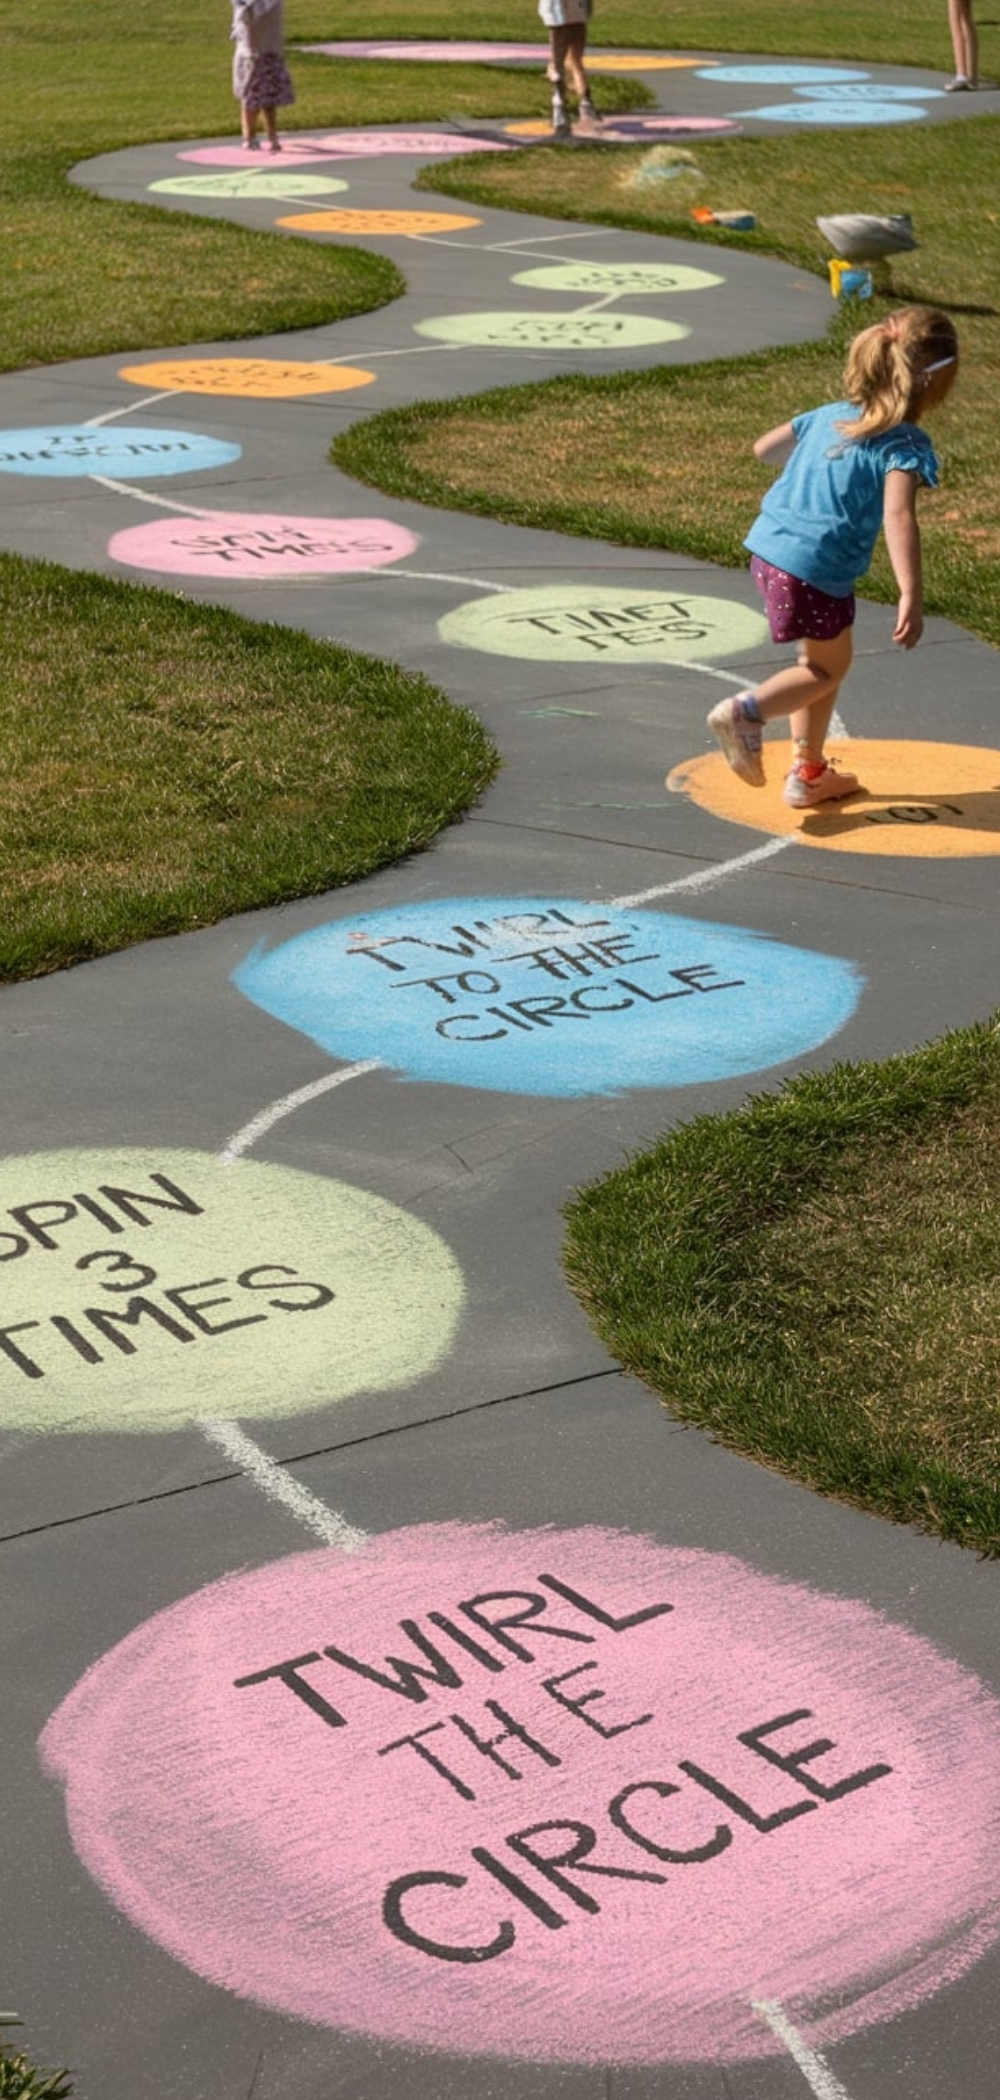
276,1483
814,2069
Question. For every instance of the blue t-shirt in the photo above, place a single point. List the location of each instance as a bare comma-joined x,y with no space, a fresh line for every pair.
821,519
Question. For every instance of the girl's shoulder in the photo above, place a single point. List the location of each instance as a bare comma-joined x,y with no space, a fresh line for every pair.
908,449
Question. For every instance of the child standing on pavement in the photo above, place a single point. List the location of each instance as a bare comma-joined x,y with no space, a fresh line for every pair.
848,468
566,22
261,80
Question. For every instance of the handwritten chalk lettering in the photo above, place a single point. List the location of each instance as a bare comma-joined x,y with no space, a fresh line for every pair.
287,1293
483,934
558,962
561,1850
408,1678
39,1221
911,813
640,625
513,1730
265,545
543,1011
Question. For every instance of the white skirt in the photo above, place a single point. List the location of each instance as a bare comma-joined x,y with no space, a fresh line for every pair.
561,14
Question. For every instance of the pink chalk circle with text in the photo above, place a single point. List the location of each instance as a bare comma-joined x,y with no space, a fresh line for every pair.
297,151
574,623
551,331
243,184
622,280
255,378
144,1289
356,219
420,144
123,453
564,1796
260,545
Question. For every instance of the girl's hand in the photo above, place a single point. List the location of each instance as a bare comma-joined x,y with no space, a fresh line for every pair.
909,623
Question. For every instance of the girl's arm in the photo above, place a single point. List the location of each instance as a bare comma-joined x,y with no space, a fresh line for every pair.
902,537
776,446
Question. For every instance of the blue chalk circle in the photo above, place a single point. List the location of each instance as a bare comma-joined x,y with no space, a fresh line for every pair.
839,112
776,75
876,92
124,452
550,996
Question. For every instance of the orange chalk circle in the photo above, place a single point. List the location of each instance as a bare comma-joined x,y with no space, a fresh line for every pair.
358,221
917,801
257,377
638,62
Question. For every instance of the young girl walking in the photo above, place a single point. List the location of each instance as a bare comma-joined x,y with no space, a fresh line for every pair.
261,80
849,468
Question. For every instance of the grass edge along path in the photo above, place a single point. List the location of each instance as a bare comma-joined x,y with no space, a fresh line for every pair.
811,1278
164,764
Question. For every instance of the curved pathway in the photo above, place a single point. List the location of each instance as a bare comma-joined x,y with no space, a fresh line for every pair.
433,1715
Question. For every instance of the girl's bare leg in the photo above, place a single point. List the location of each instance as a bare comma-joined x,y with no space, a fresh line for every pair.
807,691
964,40
576,44
271,127
248,124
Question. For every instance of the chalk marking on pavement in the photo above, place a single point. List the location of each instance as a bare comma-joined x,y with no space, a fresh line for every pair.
130,408
814,2069
274,1482
125,488
706,878
243,1139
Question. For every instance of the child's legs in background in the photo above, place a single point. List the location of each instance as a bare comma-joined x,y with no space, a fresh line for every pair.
964,39
576,44
568,42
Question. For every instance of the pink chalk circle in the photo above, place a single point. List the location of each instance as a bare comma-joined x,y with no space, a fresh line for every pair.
261,545
557,1795
297,151
422,144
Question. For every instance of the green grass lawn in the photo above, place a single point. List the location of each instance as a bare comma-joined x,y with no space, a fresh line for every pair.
813,1280
164,764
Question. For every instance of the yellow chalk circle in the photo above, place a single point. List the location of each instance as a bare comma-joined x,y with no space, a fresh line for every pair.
581,623
143,1289
638,62
927,801
260,377
358,221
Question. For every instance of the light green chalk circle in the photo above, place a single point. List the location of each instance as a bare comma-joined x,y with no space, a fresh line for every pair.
570,623
622,279
241,185
247,1243
551,331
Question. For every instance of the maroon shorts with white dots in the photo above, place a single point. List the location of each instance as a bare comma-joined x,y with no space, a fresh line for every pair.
798,611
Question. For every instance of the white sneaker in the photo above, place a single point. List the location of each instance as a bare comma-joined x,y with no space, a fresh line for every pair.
561,127
959,86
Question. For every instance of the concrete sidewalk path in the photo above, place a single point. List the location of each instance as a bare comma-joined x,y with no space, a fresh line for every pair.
316,1484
